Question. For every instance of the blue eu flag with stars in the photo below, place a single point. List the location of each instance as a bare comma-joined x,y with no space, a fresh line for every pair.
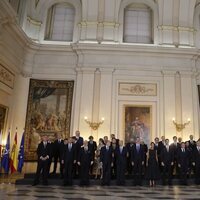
6,155
21,155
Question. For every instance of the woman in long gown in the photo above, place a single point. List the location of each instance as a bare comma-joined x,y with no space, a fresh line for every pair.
152,171
99,169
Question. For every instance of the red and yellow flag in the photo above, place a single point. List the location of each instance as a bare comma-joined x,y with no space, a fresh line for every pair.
14,156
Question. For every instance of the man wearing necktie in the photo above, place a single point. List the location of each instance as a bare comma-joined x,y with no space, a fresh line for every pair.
106,158
137,162
196,162
183,163
167,162
57,153
68,159
121,158
44,153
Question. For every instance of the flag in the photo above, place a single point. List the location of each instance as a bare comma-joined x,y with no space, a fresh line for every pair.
21,155
5,159
13,157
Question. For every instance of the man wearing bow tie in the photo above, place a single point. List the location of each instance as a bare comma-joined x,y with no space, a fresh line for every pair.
44,153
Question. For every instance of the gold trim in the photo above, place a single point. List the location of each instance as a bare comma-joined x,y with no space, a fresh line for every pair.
137,89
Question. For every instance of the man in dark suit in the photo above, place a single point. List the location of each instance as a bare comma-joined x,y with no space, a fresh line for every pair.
175,146
112,136
43,153
85,160
92,146
68,159
192,143
57,153
106,158
196,162
121,158
137,161
183,163
156,141
79,139
114,145
167,162
78,144
129,147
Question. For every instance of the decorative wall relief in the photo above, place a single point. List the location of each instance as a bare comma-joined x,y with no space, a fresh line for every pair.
48,112
138,89
6,77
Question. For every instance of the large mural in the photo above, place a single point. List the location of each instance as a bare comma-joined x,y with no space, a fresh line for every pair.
48,112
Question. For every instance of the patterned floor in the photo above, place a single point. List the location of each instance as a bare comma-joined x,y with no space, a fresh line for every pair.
12,191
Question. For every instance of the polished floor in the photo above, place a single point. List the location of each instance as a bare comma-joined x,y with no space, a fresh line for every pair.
12,191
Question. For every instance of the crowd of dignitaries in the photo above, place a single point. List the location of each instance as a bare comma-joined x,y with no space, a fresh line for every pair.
112,159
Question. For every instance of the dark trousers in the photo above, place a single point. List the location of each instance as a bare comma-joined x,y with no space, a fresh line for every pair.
121,173
68,173
137,171
56,158
106,173
84,174
183,174
42,166
197,174
167,173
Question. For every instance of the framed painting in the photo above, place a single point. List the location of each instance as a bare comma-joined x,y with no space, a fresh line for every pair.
138,123
3,118
48,112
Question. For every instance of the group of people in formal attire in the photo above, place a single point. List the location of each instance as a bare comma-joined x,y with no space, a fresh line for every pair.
112,159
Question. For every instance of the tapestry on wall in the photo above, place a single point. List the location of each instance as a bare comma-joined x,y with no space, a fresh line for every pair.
138,123
48,112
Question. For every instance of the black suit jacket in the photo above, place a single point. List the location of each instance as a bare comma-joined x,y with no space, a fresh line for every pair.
106,156
137,156
160,147
58,148
121,157
167,157
196,157
69,156
44,151
192,145
183,158
92,147
85,157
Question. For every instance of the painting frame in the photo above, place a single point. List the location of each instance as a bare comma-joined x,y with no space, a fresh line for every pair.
39,111
3,123
138,120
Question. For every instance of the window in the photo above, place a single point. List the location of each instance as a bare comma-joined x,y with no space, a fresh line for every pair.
60,22
138,24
